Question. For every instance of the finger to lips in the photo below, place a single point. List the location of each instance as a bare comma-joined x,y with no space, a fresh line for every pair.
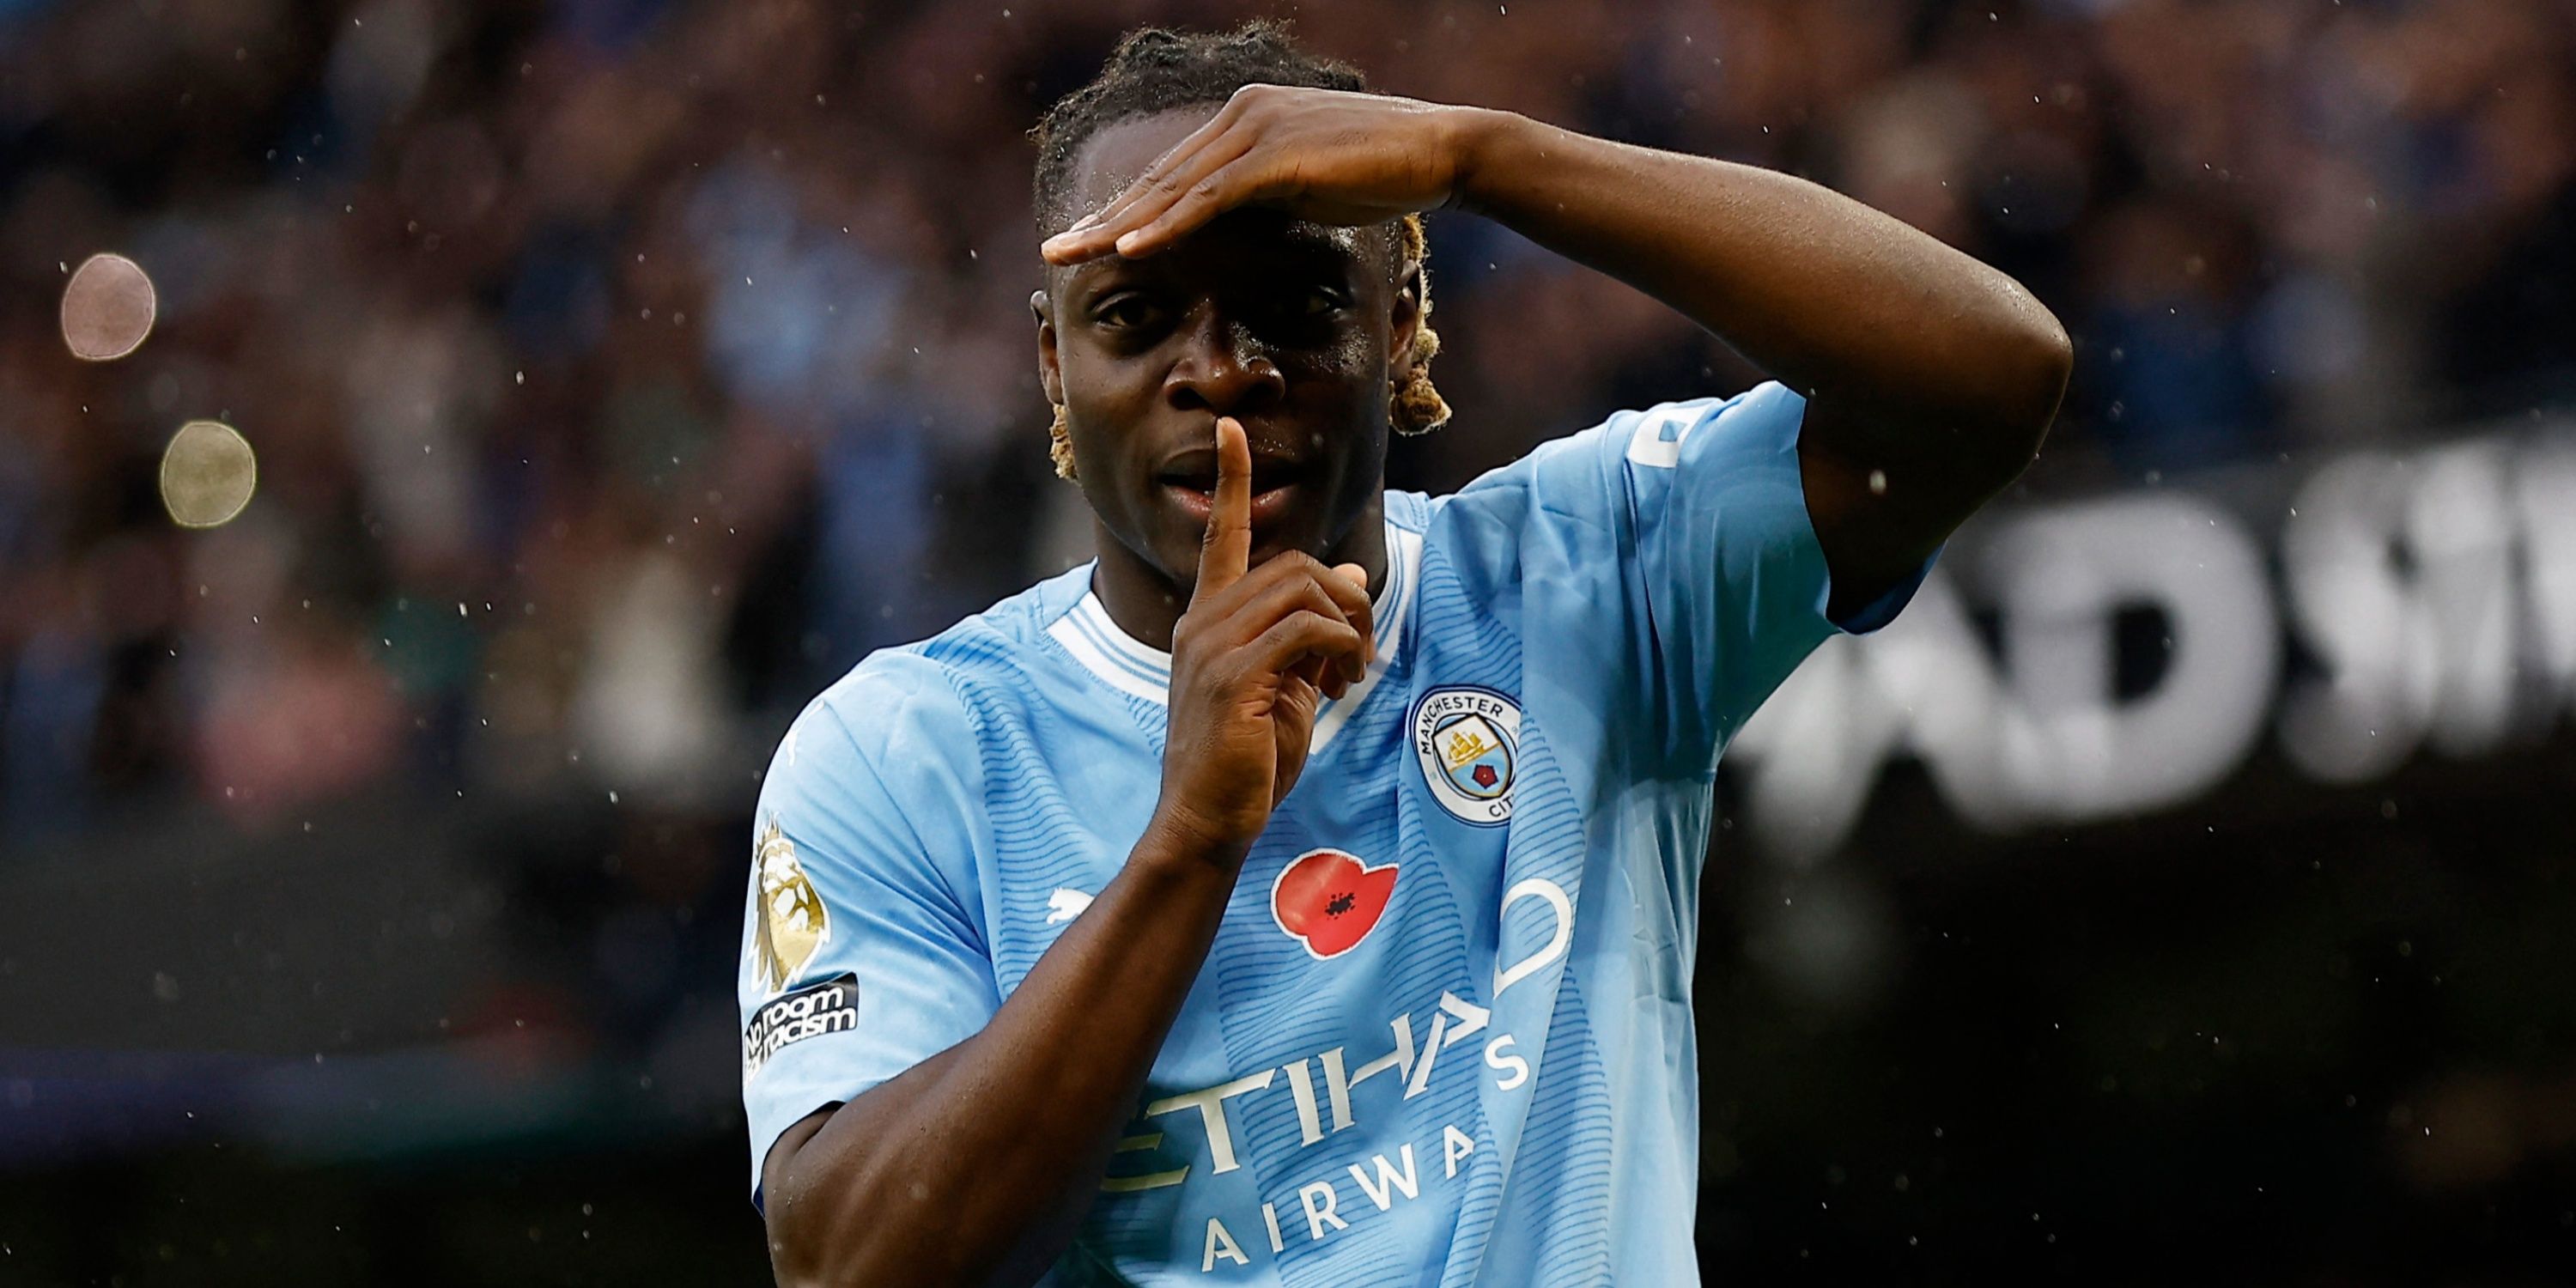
1227,551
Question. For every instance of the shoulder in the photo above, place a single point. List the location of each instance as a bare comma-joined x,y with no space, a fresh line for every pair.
919,704
1766,416
1595,474
894,701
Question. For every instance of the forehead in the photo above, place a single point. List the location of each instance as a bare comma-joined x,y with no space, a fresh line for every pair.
1117,153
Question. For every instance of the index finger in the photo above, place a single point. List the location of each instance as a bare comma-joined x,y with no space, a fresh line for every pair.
1174,181
1089,237
1227,553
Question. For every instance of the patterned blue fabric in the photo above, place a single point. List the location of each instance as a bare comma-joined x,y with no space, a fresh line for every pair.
1444,1034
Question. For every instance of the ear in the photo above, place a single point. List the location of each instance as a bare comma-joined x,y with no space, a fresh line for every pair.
1405,318
1050,375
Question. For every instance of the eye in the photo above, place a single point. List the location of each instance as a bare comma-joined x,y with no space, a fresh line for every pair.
1127,311
1318,301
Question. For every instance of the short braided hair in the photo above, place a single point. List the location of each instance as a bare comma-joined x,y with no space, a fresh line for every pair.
1155,70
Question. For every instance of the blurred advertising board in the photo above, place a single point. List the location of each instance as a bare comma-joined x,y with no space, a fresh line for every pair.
2130,654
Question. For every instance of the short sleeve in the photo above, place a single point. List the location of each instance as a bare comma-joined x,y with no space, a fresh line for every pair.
863,951
1682,530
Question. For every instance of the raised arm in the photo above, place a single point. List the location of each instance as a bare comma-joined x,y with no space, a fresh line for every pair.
976,1165
1931,378
1921,366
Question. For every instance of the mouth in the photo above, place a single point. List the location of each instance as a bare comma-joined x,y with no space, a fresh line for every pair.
1190,481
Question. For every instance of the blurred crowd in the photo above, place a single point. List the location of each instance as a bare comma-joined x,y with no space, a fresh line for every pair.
620,371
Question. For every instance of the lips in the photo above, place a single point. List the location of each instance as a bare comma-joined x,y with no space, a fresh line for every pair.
1190,480
1196,469
1200,503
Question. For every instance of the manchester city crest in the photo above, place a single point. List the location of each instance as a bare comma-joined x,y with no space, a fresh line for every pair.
1468,740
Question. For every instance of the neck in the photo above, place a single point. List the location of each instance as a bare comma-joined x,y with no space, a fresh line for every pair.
1146,601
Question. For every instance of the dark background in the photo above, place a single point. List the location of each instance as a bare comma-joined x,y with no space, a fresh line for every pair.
621,371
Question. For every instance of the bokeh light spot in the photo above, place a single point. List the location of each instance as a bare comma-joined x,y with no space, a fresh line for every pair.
108,306
207,474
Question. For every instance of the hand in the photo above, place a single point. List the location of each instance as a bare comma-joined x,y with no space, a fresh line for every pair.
1257,651
1330,156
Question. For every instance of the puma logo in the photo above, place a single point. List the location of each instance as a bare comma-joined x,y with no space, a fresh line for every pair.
1065,905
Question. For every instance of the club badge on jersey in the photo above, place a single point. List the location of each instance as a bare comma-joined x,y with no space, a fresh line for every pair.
1467,739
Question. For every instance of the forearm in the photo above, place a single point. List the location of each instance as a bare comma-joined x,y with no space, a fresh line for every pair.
976,1165
1829,296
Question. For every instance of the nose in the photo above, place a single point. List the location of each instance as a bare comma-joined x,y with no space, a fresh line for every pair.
1220,368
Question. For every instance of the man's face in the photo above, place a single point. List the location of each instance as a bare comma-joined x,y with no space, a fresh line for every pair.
1290,327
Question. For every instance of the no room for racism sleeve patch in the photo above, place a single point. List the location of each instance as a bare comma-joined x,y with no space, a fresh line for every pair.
810,1012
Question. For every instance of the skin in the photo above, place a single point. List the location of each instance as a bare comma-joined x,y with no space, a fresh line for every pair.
1930,378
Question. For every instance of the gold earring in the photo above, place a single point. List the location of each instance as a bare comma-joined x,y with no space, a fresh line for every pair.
1060,444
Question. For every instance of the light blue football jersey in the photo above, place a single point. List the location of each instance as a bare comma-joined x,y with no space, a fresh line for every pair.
1444,1034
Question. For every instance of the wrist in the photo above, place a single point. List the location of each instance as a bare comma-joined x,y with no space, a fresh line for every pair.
1177,838
1478,139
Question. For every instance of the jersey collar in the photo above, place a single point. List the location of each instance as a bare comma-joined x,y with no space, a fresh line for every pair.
1140,670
